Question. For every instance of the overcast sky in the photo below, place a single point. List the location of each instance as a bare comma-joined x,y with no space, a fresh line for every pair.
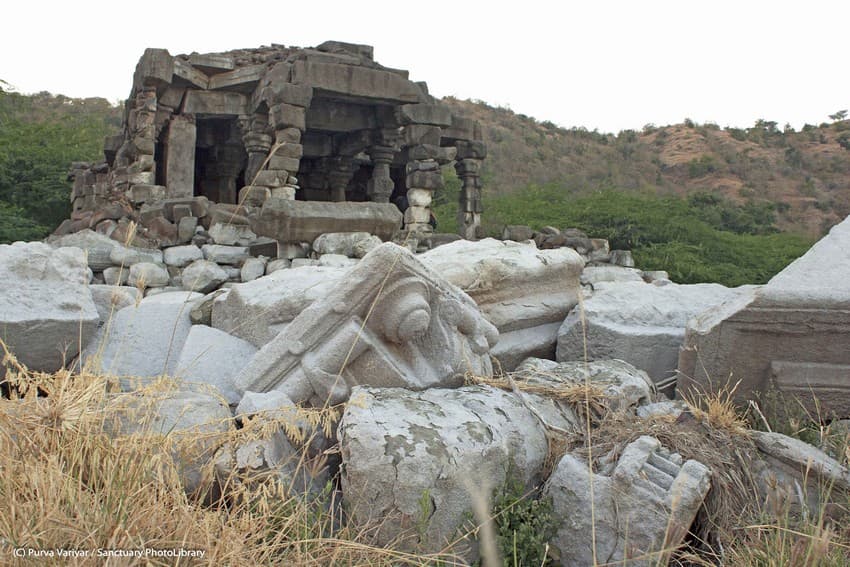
609,65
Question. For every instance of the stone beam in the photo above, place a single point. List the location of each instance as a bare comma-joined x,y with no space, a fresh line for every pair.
190,74
242,76
333,116
357,81
227,103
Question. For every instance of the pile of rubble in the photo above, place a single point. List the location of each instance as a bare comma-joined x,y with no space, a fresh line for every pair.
414,346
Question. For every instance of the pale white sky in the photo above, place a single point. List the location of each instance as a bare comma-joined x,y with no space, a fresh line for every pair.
600,64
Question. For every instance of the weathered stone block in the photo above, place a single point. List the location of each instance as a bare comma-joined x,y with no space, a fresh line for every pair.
271,178
281,163
357,81
203,276
46,308
254,195
435,114
288,116
471,149
290,150
146,274
287,135
432,180
154,68
417,215
524,291
215,102
422,332
213,357
639,323
420,134
303,221
643,508
791,333
135,345
231,255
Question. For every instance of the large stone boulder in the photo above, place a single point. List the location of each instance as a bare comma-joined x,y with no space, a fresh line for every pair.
46,307
441,447
791,334
389,322
213,357
643,504
640,323
141,341
523,291
258,310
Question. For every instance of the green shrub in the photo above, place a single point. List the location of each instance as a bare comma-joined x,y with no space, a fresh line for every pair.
703,239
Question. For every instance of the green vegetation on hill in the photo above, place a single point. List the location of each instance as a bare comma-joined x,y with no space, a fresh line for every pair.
804,173
703,238
40,135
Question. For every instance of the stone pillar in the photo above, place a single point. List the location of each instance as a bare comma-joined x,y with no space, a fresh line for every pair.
229,161
288,116
339,172
469,202
470,153
381,186
180,156
257,143
423,178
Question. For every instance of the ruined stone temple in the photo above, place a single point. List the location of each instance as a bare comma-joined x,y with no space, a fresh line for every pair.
280,143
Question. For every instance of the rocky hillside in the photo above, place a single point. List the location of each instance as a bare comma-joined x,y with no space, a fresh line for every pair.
805,173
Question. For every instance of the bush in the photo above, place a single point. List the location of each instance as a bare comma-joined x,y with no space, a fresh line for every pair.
704,239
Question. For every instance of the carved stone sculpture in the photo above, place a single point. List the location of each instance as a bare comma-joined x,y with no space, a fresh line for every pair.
391,322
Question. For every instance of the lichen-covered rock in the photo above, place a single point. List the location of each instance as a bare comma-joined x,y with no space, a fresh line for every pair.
439,448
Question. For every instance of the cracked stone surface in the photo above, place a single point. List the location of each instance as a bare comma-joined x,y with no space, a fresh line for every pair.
411,460
643,502
525,292
389,322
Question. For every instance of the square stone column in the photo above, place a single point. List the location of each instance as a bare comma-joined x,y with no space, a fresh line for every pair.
180,156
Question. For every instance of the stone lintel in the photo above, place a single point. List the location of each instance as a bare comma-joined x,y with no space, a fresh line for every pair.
216,102
190,74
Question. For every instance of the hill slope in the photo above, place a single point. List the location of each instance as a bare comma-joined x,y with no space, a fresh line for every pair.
40,135
805,174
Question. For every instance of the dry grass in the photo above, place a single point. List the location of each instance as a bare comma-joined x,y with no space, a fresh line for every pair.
66,483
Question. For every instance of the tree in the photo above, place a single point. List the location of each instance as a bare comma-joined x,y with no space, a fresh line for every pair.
840,115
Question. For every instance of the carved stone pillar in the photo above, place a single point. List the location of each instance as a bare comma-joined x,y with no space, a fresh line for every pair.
469,209
340,172
380,186
423,178
257,143
223,174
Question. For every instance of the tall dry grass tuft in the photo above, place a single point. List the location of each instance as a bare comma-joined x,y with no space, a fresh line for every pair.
68,483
